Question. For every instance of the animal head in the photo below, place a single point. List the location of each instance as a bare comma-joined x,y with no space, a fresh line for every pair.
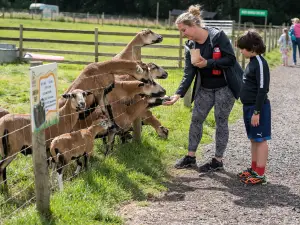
152,89
102,121
149,37
157,72
143,73
78,98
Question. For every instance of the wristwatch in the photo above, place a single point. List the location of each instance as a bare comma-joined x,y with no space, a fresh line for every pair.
256,112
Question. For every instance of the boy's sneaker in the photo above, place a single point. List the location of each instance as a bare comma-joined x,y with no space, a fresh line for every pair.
213,165
186,161
255,179
246,173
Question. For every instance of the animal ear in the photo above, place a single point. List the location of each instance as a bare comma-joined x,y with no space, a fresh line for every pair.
139,69
88,93
141,84
66,96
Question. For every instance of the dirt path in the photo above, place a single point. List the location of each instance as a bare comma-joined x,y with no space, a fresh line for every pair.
219,198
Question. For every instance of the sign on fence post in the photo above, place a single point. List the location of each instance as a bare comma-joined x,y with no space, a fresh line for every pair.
43,93
44,113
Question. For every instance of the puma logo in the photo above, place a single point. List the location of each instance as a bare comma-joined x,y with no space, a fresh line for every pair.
259,134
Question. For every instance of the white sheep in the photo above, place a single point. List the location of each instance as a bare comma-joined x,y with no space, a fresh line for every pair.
74,145
16,134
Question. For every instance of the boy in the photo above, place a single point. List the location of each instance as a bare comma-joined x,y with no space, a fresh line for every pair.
256,106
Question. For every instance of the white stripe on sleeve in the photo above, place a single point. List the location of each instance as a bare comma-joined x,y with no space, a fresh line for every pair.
261,71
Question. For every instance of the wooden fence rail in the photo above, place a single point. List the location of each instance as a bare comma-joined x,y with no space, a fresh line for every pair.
95,43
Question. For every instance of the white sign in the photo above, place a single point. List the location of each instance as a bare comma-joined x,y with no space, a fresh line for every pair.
43,96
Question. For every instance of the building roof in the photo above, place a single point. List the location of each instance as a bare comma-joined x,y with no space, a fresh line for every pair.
204,14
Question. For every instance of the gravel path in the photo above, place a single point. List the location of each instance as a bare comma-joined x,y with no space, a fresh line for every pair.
219,198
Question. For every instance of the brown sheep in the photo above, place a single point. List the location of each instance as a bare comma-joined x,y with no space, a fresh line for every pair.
15,129
74,145
143,38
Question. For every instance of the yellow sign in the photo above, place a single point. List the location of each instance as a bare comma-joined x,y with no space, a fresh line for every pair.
43,96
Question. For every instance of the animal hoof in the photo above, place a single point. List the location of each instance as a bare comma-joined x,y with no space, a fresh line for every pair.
163,132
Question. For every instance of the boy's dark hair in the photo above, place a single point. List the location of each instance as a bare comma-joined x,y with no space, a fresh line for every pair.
252,41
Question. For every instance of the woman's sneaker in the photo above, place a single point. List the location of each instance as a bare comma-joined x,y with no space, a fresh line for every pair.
186,161
246,173
255,179
213,165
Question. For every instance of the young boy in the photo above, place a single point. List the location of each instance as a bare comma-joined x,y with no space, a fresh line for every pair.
256,106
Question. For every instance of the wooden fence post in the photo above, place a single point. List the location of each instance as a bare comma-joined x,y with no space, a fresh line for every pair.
137,123
232,35
21,43
41,175
102,19
98,18
243,57
276,36
96,45
180,50
73,17
187,100
270,34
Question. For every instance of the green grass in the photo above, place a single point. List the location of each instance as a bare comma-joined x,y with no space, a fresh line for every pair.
134,171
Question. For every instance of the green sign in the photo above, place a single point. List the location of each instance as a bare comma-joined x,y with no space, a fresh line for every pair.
253,12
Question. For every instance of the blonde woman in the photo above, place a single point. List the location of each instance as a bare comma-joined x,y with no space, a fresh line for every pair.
215,85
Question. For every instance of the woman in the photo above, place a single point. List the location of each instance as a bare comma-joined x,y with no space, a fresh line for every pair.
295,31
211,85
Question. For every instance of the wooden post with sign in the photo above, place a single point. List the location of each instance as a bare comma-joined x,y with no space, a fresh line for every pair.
41,175
255,13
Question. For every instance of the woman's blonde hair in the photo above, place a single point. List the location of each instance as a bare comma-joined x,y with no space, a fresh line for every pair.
191,17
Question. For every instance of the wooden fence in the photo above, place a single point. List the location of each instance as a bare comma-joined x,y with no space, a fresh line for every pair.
271,34
96,43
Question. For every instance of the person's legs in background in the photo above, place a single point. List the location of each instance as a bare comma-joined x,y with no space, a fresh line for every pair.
298,43
294,52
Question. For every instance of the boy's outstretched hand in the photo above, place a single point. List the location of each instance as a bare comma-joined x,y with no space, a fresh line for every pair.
173,98
255,120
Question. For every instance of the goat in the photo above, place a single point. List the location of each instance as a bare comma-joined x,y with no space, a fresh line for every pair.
3,112
74,145
143,38
15,129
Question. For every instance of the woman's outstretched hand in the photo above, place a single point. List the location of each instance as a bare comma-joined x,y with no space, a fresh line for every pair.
174,99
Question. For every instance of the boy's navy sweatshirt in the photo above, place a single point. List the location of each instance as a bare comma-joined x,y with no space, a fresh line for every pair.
256,81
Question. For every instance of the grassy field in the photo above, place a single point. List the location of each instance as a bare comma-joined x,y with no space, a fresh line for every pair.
132,172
